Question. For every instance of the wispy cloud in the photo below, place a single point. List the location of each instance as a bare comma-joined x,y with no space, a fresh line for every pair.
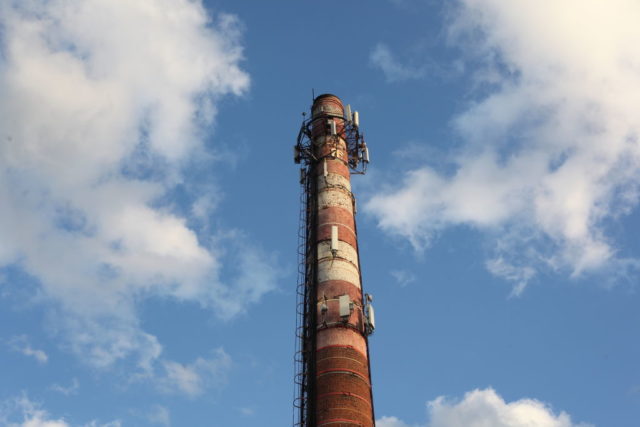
67,390
485,407
518,275
21,345
551,143
23,412
381,57
159,415
97,128
194,378
247,412
403,278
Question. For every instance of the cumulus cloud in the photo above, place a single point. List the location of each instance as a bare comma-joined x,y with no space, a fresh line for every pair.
381,57
550,147
480,408
103,107
21,345
485,407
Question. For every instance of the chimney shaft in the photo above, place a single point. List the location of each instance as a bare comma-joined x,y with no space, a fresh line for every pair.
338,385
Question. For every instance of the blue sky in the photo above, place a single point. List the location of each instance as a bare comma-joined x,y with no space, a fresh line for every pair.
149,206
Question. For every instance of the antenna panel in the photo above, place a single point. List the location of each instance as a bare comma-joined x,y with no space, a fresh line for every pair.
345,305
334,237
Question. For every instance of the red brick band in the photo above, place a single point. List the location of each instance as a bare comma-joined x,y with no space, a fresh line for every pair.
337,215
334,288
345,234
339,393
346,349
342,371
341,421
337,167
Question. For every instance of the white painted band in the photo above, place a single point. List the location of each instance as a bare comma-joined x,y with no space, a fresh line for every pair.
345,251
335,197
333,180
338,269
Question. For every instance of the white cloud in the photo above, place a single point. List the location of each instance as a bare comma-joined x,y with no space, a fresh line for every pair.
551,145
381,57
36,420
194,378
520,276
21,345
483,408
103,104
23,412
390,422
